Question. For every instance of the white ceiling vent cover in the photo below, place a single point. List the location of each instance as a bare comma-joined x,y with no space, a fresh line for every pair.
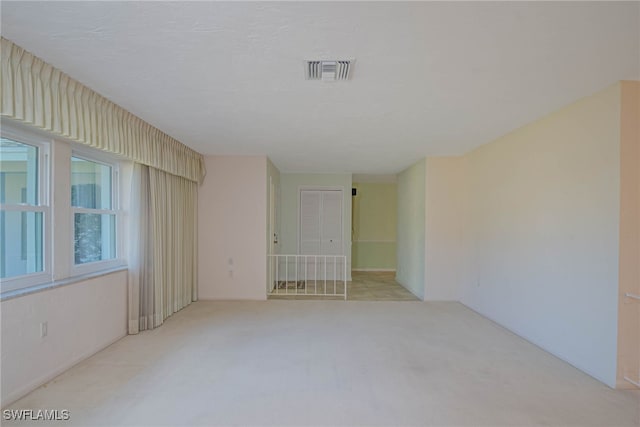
328,70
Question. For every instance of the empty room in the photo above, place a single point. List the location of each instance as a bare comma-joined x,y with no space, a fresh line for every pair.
320,213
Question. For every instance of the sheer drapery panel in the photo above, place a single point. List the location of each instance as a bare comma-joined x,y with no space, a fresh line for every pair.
163,269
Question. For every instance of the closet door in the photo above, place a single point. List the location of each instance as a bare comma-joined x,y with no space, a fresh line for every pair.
310,229
321,222
331,223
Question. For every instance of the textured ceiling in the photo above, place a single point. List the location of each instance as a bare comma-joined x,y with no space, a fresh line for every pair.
429,78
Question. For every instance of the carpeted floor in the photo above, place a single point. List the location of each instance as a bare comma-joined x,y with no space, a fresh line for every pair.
330,363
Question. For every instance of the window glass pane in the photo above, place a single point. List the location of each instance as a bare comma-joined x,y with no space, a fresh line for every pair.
21,250
94,237
18,173
90,184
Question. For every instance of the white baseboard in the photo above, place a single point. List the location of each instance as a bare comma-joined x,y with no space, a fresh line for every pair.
374,269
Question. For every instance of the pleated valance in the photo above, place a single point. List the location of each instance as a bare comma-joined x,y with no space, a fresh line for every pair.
37,93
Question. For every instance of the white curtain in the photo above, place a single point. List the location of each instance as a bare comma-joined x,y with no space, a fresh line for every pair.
163,242
163,258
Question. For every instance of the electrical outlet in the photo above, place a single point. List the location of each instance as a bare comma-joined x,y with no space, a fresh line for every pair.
44,329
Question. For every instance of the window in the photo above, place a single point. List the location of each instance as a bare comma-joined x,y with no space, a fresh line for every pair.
93,208
42,241
24,212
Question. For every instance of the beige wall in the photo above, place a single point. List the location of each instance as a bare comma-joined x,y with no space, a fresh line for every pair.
544,215
527,230
82,318
232,228
629,309
446,228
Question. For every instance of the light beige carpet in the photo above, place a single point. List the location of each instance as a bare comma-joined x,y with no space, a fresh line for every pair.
330,363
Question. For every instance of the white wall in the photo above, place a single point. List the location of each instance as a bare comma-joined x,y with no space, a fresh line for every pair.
446,228
410,240
545,214
232,228
82,318
290,184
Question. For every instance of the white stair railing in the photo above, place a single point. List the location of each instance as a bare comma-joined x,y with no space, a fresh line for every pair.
313,275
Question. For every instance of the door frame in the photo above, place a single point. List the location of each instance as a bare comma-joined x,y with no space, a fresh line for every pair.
272,216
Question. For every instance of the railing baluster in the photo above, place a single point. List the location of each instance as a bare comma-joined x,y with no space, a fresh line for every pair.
270,283
335,260
325,274
344,263
306,266
286,274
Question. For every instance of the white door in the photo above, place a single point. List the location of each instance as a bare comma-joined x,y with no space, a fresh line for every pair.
331,223
321,222
310,229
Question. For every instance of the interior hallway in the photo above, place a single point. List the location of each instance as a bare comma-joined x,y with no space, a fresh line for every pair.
377,286
330,362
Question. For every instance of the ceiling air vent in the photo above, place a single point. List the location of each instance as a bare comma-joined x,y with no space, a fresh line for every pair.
328,70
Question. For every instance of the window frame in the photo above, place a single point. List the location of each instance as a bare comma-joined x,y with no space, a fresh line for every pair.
112,162
43,206
54,200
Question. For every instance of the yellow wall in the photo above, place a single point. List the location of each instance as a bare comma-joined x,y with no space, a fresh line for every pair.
374,226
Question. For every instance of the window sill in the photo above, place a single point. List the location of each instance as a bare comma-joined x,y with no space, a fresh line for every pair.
16,293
